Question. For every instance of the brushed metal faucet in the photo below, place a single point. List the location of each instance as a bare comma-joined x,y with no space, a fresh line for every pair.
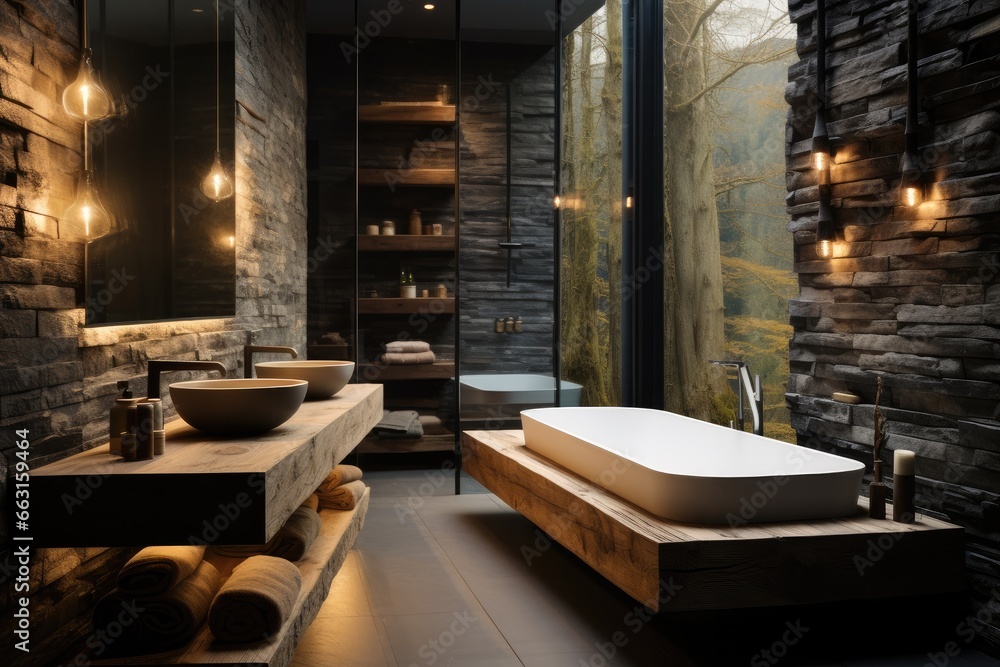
753,391
156,366
249,350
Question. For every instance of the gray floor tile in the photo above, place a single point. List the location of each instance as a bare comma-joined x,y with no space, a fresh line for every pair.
413,583
466,637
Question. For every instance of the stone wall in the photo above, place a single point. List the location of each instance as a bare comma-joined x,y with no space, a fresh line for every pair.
57,379
912,294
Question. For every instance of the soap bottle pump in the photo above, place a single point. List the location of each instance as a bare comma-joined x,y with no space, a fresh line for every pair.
119,414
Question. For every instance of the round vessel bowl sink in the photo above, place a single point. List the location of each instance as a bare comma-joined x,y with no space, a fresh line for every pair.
237,406
325,378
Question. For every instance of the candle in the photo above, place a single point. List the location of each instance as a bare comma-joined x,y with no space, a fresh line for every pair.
903,462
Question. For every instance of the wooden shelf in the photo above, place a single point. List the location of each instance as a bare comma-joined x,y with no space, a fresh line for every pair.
716,567
170,499
428,443
318,568
414,114
438,178
397,306
439,370
406,243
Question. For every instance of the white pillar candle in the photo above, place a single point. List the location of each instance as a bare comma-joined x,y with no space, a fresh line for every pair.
903,461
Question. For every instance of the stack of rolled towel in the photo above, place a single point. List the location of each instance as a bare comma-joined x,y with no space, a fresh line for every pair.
162,598
256,600
399,424
408,352
292,540
342,488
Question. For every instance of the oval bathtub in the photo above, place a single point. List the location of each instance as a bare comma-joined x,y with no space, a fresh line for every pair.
688,470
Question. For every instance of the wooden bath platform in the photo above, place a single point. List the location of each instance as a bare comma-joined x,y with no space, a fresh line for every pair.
671,566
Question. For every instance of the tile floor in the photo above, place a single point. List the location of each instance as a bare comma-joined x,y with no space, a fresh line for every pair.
464,581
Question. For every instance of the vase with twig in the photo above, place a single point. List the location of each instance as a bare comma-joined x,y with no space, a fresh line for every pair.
877,490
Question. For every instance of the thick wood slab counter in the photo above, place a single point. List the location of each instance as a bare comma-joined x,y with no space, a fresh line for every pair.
671,566
204,489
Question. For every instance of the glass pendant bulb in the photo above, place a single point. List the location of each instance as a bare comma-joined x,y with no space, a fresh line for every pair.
86,219
217,184
825,249
85,98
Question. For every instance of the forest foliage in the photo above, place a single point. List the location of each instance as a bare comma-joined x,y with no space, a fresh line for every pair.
738,95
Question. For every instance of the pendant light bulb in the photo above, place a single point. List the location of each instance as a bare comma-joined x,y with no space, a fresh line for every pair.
217,185
911,196
825,249
86,219
85,98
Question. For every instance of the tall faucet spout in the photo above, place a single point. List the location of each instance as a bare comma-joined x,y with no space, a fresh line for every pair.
249,350
156,366
753,393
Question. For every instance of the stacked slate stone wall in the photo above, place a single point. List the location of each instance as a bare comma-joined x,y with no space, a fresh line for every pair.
57,378
912,294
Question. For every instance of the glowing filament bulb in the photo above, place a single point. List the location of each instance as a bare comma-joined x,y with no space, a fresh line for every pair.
826,249
821,160
216,185
86,219
84,98
557,202
911,196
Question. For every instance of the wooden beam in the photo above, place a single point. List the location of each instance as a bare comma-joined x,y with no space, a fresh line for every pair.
415,114
672,566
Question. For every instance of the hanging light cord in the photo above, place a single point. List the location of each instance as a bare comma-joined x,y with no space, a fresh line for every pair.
218,142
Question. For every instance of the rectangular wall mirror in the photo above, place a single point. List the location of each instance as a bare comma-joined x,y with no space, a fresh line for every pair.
171,254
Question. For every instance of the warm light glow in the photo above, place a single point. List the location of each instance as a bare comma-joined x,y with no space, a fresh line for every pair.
86,219
825,249
557,202
84,98
429,6
232,241
821,160
217,185
911,196
628,201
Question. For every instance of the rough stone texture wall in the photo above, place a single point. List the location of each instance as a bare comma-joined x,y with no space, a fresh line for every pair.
911,295
57,379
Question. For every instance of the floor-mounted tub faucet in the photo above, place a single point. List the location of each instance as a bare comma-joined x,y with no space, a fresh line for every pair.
249,350
753,392
156,366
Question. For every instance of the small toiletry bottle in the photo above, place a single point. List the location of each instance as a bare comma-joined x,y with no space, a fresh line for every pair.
146,417
498,326
903,486
388,228
518,325
157,412
508,325
440,292
415,223
119,413
128,446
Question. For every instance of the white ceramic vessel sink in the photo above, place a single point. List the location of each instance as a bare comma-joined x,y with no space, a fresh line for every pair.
325,377
237,406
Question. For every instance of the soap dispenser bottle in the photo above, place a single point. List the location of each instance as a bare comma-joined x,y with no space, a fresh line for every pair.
119,414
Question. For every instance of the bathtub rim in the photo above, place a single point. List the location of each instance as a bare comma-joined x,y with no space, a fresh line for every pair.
855,465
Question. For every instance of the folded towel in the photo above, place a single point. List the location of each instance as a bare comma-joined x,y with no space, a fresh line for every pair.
312,502
174,617
341,474
158,569
256,600
408,358
291,542
344,497
399,424
162,621
407,346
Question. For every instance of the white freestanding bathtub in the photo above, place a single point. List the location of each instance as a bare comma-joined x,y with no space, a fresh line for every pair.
521,389
688,470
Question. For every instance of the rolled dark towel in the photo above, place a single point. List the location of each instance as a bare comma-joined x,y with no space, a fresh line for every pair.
256,600
408,346
408,358
344,497
158,569
119,613
290,542
341,474
174,617
312,502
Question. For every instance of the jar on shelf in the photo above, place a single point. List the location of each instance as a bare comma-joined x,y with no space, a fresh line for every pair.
388,228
